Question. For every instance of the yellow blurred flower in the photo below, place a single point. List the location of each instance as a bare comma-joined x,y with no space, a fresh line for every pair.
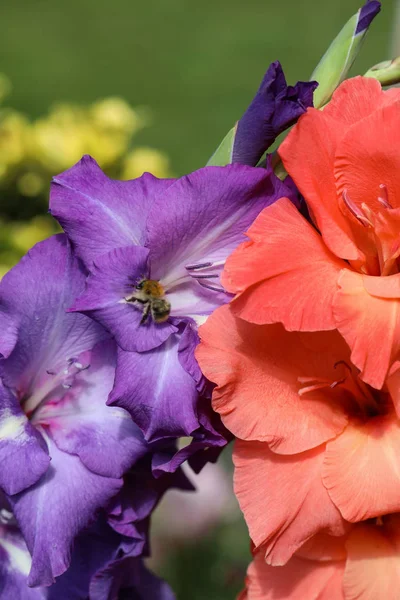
14,133
140,160
25,235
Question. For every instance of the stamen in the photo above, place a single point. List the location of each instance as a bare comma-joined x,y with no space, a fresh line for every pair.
384,198
211,287
205,276
63,378
355,211
199,266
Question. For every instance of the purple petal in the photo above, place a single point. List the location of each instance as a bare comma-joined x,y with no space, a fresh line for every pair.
275,107
157,391
40,288
130,577
93,551
23,452
112,279
62,503
141,493
187,346
105,438
9,323
99,213
367,14
201,219
206,445
15,562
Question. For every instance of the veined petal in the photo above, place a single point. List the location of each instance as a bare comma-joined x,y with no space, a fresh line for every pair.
259,372
47,335
9,323
308,153
113,278
293,284
63,502
361,470
105,438
364,307
263,478
15,562
299,579
378,547
24,457
362,166
157,391
355,99
204,217
98,213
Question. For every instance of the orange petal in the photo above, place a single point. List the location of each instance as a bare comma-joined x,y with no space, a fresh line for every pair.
361,469
298,580
373,564
324,547
357,98
367,314
256,369
368,156
263,479
393,386
294,271
308,154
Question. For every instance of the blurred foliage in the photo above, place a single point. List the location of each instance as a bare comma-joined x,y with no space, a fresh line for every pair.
212,567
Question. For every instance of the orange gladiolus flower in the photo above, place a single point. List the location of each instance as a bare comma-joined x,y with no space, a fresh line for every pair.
346,163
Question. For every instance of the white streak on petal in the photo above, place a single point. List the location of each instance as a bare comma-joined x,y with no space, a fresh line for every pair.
20,559
11,426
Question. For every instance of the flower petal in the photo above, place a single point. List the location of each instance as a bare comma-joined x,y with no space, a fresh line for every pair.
263,478
377,547
366,158
361,470
298,580
24,457
293,284
257,370
202,217
132,579
99,213
63,502
105,439
15,562
308,153
363,307
355,99
112,279
47,336
157,391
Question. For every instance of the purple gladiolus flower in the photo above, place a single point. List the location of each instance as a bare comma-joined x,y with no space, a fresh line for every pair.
63,451
175,236
275,107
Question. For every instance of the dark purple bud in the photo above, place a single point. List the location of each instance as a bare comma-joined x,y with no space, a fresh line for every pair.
275,107
367,13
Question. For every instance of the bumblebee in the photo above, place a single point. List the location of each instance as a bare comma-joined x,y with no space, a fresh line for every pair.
151,295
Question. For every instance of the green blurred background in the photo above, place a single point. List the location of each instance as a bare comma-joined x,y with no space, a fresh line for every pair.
194,66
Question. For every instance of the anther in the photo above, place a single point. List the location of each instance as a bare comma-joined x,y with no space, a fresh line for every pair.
355,211
384,198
